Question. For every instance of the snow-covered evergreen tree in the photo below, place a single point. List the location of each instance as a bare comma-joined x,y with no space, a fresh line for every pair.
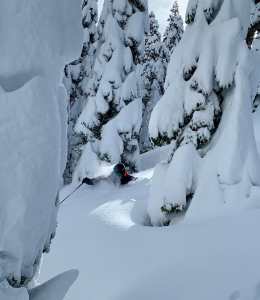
79,83
111,120
154,67
174,30
207,82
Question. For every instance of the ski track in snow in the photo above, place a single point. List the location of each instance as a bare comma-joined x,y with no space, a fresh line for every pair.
100,232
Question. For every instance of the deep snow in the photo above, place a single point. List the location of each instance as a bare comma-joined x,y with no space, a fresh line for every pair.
101,233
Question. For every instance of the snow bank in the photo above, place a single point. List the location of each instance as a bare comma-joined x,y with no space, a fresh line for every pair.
38,38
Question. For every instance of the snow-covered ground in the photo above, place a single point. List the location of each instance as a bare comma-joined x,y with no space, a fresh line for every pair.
101,234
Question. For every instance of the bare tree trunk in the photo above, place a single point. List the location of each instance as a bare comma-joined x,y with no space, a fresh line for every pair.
253,29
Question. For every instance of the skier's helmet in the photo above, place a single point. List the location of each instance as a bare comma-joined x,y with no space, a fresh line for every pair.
119,169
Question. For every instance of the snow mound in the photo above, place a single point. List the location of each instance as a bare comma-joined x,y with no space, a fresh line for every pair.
116,213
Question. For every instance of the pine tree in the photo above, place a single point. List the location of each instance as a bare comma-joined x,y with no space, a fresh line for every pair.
111,120
207,82
174,30
154,67
79,84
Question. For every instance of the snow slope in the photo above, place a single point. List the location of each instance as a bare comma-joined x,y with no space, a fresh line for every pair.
101,233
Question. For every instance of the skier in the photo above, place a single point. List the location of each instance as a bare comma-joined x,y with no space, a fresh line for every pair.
119,176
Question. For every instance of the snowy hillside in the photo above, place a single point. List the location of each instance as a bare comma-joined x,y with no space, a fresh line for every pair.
101,233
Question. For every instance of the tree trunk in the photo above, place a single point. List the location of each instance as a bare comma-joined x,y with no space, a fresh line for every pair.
252,30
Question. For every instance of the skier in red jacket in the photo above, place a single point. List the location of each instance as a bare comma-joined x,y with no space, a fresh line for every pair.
119,176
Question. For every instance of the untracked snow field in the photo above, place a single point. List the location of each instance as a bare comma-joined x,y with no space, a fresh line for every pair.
101,233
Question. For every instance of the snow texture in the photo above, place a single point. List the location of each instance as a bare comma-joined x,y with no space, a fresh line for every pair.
38,38
119,258
56,288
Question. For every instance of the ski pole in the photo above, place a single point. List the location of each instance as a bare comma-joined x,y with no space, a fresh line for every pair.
69,195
